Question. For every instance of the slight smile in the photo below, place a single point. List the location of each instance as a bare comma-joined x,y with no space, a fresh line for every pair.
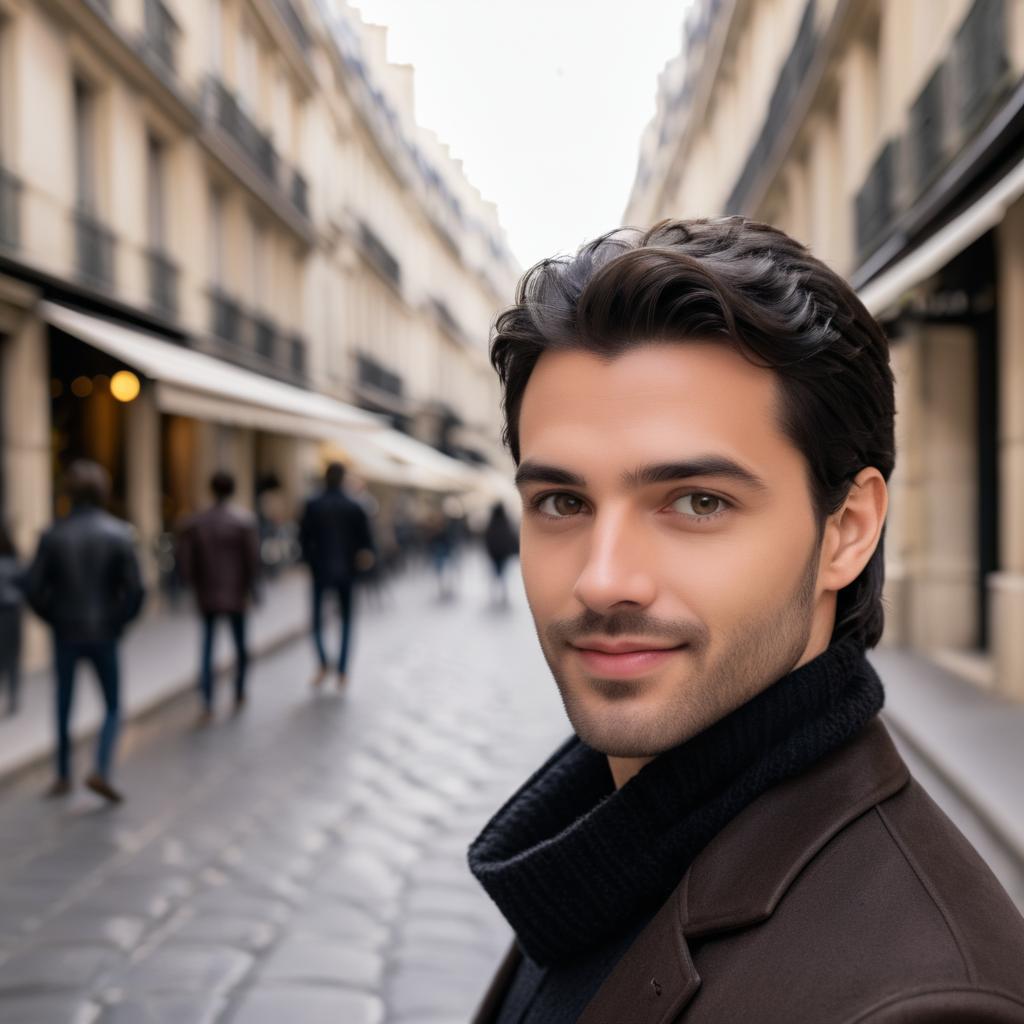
623,660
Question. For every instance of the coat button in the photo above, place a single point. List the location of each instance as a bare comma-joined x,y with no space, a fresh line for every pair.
656,985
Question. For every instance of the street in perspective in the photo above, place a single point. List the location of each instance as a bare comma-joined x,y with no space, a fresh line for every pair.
305,859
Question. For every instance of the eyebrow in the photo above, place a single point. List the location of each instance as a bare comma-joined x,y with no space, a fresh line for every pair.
645,476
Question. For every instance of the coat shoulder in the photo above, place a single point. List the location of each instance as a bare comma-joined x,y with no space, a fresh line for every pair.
896,915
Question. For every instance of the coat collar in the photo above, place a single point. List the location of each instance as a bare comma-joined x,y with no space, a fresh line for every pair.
744,872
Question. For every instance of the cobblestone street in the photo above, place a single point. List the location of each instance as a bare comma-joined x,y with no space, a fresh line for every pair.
304,861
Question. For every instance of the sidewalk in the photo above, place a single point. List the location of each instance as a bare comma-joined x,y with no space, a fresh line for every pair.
159,658
972,739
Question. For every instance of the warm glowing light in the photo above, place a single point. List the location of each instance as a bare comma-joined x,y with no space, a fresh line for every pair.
125,386
81,387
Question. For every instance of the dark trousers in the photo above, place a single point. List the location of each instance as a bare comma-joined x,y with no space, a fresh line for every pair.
103,655
237,622
346,601
10,654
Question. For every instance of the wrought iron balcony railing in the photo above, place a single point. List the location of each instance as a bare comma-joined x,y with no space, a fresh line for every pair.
380,255
291,17
223,108
875,203
297,354
161,32
10,209
225,317
163,283
94,250
265,337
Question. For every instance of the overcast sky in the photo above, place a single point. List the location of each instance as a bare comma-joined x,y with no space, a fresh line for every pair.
544,101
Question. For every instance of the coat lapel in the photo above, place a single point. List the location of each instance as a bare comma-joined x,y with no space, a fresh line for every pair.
498,989
743,873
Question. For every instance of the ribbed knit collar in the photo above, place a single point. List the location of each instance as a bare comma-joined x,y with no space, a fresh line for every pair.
571,861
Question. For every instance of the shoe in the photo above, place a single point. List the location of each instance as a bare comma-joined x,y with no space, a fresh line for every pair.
99,785
59,787
342,681
204,718
318,679
239,705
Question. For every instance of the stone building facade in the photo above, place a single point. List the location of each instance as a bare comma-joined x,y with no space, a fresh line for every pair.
225,242
888,135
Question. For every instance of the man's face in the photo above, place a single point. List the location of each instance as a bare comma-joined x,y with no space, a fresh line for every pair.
664,508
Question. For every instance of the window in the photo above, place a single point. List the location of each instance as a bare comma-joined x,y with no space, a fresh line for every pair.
156,215
85,145
216,236
248,69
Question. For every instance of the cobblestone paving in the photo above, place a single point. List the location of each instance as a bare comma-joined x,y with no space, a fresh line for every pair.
303,862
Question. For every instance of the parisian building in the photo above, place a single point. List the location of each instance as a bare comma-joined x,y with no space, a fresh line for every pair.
225,242
888,136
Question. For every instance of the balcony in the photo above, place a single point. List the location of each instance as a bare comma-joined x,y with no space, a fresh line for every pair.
297,355
222,108
980,60
928,133
163,284
300,193
225,317
94,251
161,32
373,374
779,116
291,17
380,255
10,206
875,204
265,338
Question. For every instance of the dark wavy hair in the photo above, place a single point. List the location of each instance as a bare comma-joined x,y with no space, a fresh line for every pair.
756,289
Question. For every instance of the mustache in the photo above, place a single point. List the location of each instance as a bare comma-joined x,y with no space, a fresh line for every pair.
633,623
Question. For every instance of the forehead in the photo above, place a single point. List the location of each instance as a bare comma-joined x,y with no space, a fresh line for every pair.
668,399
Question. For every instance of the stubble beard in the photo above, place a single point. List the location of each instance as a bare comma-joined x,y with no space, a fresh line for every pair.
750,661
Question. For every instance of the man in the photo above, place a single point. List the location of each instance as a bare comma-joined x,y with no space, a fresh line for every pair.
219,555
85,582
338,545
702,421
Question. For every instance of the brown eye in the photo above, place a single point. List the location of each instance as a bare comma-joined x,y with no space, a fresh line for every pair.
699,506
560,506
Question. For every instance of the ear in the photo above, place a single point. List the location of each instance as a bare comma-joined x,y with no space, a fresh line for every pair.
852,533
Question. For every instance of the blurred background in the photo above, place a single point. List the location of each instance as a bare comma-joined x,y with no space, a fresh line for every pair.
232,238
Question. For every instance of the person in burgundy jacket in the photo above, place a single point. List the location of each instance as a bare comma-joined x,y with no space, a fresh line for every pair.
218,555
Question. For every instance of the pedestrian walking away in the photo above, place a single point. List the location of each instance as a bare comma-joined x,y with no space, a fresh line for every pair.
11,601
85,582
501,543
701,417
337,543
218,555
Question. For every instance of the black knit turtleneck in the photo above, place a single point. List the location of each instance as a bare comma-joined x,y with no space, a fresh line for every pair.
575,865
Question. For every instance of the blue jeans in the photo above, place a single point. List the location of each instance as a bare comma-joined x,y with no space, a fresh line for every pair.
237,621
103,655
344,590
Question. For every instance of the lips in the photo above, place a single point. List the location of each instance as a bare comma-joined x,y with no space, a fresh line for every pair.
625,659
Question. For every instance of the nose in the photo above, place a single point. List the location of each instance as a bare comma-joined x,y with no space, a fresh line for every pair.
617,570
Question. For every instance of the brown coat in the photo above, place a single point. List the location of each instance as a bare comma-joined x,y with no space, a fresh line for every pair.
219,557
842,895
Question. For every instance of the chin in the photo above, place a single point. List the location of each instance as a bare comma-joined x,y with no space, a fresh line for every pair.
620,731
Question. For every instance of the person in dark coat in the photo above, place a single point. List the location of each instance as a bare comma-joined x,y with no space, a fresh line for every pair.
218,555
11,601
702,422
338,545
85,582
501,543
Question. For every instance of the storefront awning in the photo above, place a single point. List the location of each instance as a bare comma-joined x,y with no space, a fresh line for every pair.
192,383
935,252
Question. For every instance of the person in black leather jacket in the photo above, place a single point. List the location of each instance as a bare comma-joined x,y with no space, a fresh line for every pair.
85,582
